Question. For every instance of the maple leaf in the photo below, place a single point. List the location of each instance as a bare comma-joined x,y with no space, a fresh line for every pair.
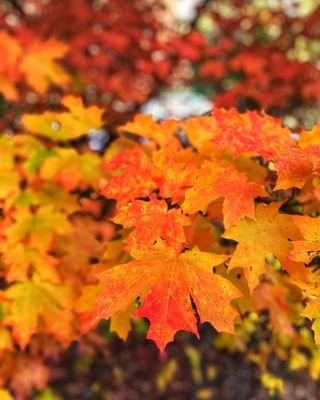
274,298
88,295
68,125
6,342
9,178
40,67
153,221
30,373
255,135
212,182
5,395
165,281
249,62
8,88
295,166
312,295
252,168
305,250
9,184
269,233
146,127
32,302
120,322
250,133
311,137
10,53
173,169
22,261
71,169
136,177
312,312
88,240
114,253
213,68
52,193
39,228
201,233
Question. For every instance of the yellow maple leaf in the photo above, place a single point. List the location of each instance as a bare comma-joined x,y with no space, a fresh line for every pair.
71,169
38,306
145,126
39,228
5,395
270,233
306,250
67,125
6,342
40,67
120,322
9,179
22,261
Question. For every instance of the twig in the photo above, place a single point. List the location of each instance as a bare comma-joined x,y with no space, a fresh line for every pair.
200,8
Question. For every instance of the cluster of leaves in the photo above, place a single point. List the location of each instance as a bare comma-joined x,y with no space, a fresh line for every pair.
118,53
32,63
52,233
210,219
185,197
180,222
262,57
123,53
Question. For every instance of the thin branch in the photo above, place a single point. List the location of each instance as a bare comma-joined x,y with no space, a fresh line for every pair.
200,9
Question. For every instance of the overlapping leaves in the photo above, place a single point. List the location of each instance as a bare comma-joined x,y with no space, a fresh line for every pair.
233,173
200,228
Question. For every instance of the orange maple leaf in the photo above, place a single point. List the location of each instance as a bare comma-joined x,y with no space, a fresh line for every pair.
274,299
10,54
153,221
40,67
134,180
146,127
212,182
308,138
295,165
250,133
166,281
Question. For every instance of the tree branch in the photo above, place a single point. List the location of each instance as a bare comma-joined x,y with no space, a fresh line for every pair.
200,9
